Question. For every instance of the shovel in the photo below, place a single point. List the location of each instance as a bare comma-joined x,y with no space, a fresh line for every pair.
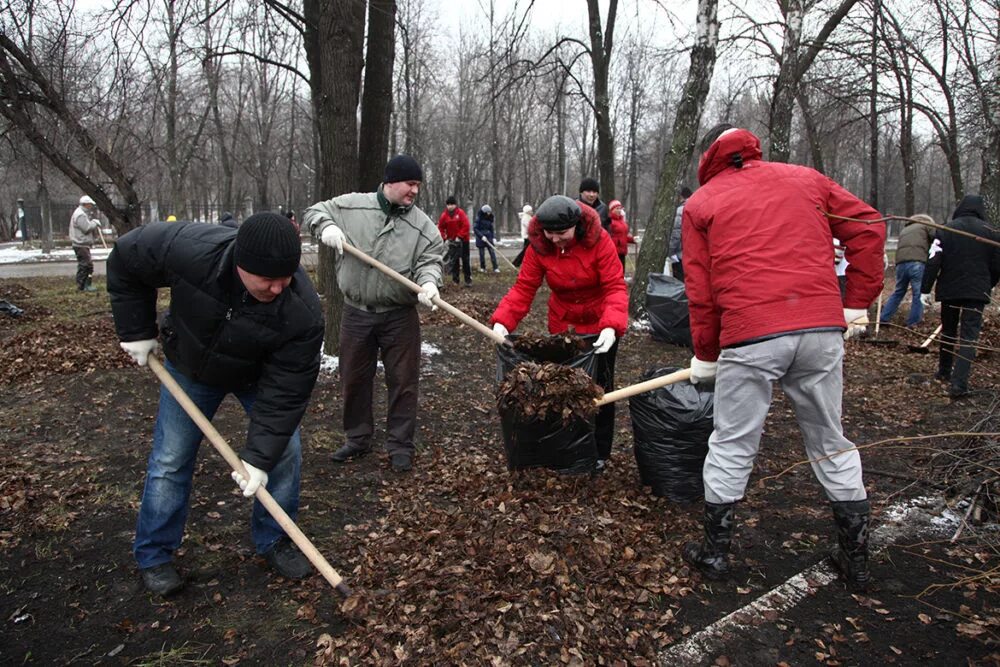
497,251
924,348
878,316
438,301
265,498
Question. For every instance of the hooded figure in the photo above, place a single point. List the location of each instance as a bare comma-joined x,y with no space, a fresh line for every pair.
965,271
485,233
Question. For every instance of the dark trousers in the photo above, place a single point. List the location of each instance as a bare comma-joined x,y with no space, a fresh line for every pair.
84,266
677,268
363,335
604,432
520,256
458,251
961,322
482,257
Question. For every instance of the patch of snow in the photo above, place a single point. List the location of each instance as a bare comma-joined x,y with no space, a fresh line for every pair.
330,364
13,254
641,325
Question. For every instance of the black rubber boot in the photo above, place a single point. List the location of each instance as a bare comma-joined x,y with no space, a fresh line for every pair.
850,556
712,555
350,451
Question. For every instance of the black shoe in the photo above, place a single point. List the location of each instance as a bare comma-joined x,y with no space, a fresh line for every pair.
287,560
161,579
957,394
711,556
850,556
401,462
942,377
350,451
468,284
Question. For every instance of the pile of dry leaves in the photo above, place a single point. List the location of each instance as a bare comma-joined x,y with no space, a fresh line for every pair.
549,389
61,348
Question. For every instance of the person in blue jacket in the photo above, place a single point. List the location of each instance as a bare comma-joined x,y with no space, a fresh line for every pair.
485,237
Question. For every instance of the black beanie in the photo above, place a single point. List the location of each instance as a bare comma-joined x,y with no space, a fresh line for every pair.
402,168
268,245
589,184
451,200
558,213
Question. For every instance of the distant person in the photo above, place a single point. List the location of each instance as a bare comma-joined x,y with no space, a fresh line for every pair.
21,222
453,226
380,316
82,235
290,214
227,220
619,230
765,308
675,250
485,237
965,272
911,255
840,267
524,221
590,194
245,320
578,262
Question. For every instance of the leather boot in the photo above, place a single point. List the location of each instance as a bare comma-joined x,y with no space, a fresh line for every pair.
350,451
850,556
712,555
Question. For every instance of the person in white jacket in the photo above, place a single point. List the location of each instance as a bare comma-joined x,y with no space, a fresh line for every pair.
526,214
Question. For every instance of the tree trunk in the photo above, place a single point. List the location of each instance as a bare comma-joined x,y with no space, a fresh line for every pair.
334,44
600,60
653,252
376,102
873,107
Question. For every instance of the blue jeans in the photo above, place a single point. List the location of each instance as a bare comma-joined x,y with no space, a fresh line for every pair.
176,438
908,275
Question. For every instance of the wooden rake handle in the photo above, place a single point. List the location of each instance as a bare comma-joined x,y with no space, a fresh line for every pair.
931,337
438,301
265,498
642,387
497,251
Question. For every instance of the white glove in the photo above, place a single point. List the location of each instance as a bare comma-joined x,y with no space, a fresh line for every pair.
333,237
857,322
258,479
702,371
428,294
139,350
604,341
927,300
500,329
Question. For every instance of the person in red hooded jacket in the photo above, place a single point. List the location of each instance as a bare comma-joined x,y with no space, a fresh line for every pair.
765,307
619,230
454,227
571,252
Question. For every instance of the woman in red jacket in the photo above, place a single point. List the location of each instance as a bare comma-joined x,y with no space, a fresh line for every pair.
619,230
570,251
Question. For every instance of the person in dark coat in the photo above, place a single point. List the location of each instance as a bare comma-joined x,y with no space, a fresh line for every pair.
590,194
227,220
243,319
485,237
965,271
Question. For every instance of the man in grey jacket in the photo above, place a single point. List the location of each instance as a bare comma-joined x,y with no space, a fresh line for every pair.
911,256
82,233
379,313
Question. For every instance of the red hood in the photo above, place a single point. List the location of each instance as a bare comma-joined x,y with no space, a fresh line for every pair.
719,155
590,223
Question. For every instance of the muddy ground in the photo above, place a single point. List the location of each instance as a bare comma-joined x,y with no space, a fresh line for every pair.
462,562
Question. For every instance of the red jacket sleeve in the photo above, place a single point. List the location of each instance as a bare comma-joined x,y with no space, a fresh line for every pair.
517,302
704,314
864,245
443,225
614,309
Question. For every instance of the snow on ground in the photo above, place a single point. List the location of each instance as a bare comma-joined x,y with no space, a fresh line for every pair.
12,253
330,364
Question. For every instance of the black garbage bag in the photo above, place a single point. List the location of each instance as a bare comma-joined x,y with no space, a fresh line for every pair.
667,307
548,442
671,426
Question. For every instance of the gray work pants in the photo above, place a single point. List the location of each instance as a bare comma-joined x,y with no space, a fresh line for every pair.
809,368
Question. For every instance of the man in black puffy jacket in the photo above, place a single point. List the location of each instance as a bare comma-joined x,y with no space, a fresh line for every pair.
243,319
966,270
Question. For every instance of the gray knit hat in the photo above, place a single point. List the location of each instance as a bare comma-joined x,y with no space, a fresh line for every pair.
558,213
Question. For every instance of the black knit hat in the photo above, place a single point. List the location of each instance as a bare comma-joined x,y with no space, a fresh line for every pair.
589,185
558,213
268,245
402,168
451,200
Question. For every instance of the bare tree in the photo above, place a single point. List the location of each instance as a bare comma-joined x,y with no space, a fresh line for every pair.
653,252
376,103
